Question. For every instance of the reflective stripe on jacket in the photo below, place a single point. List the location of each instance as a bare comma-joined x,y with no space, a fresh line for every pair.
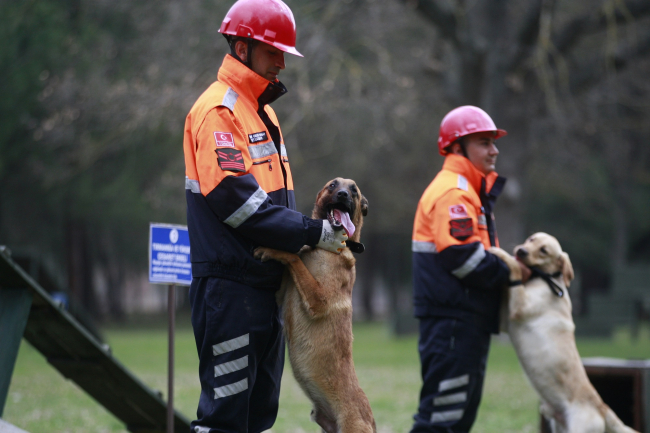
238,182
453,273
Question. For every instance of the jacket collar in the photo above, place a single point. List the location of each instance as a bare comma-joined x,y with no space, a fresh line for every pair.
249,84
461,165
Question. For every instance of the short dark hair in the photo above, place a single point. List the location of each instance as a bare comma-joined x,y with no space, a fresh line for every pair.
234,39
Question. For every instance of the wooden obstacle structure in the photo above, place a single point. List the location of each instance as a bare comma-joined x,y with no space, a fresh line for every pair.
27,311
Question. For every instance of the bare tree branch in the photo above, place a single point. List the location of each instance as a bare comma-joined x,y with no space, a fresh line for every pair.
443,19
591,23
592,70
526,35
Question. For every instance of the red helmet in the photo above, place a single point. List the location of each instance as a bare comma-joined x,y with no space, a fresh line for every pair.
269,21
463,121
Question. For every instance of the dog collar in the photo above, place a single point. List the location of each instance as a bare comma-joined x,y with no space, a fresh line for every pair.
355,247
555,287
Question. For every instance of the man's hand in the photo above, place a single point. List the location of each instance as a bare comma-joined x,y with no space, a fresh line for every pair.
332,240
525,272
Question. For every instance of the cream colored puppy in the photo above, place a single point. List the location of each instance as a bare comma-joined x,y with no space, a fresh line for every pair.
542,332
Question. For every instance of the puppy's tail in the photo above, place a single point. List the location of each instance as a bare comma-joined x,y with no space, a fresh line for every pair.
614,425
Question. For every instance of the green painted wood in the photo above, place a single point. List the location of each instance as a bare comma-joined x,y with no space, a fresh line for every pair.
78,356
14,311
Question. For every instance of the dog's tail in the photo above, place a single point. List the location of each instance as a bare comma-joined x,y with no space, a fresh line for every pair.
614,425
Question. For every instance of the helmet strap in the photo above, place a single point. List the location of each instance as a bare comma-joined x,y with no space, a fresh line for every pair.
249,54
463,149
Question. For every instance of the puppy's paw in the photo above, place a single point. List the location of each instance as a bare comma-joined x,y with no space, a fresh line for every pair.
498,252
510,261
513,265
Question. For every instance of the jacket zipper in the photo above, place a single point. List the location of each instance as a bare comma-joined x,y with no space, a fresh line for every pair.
264,162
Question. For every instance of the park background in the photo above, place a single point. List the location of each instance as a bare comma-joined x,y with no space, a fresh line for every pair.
93,99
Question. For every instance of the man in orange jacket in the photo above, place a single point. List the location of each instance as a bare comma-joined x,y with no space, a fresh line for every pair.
240,195
457,283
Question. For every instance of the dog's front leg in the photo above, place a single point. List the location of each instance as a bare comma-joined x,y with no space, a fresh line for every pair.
311,292
517,293
517,304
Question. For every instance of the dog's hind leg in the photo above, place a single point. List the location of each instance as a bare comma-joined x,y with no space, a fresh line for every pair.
614,425
355,415
326,422
547,412
583,418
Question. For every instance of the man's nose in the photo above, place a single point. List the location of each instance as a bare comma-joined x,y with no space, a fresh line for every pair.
493,149
280,61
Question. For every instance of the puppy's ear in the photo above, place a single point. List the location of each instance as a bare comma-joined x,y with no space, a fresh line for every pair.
364,205
567,268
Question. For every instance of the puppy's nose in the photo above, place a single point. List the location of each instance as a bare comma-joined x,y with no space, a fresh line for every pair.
342,195
522,253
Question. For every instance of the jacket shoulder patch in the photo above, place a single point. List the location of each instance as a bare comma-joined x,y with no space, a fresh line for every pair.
461,228
231,160
224,139
458,211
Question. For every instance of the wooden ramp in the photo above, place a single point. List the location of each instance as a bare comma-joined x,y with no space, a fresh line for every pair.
74,352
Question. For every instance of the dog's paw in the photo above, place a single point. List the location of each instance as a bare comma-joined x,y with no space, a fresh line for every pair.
501,254
264,254
498,252
515,270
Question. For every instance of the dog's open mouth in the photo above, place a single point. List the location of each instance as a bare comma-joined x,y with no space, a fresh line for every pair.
339,217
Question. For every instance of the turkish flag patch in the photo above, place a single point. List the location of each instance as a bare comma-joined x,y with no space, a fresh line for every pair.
461,228
231,160
458,211
224,139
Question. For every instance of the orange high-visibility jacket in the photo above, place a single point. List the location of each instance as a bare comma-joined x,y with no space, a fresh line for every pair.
453,274
238,182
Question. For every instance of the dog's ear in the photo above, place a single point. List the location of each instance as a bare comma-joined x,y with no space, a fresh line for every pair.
567,268
319,195
364,205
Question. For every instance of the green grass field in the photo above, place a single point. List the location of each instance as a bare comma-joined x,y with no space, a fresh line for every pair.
41,400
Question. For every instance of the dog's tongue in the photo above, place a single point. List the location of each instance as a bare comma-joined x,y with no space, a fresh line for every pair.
346,222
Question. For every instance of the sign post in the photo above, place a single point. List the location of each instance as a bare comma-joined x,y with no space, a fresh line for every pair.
169,264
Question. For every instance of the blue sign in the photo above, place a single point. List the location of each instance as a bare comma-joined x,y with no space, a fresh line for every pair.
169,254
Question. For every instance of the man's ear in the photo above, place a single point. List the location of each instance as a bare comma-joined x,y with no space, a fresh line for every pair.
455,148
241,49
567,268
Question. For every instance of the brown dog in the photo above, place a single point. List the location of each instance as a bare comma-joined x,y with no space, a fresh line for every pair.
316,296
541,329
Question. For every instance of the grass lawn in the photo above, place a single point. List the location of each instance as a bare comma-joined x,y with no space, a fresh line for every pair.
41,400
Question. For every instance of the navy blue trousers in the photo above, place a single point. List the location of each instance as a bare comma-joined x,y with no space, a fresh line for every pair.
239,339
453,355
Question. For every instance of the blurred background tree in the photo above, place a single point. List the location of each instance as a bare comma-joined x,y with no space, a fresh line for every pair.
95,93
